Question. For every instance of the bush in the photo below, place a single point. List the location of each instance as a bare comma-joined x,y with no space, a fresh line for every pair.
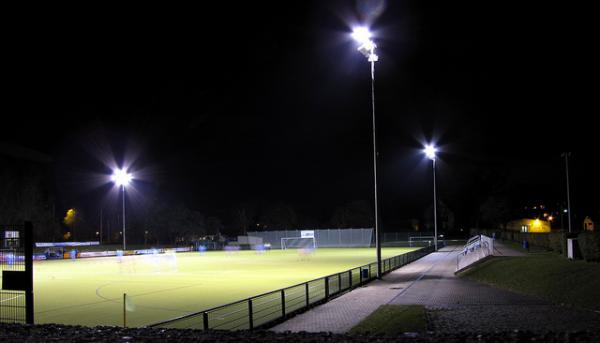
557,242
589,243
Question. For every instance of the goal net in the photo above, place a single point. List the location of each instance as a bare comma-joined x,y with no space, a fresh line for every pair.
416,241
298,243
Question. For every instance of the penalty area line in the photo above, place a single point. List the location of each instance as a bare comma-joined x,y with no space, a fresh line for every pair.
15,297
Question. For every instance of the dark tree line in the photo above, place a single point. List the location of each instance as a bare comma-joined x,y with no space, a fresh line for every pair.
24,196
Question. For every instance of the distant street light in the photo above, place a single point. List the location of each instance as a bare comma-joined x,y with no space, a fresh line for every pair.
367,48
122,178
430,151
566,156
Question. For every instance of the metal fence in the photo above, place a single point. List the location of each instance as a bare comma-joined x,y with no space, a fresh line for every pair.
325,238
16,265
406,239
260,310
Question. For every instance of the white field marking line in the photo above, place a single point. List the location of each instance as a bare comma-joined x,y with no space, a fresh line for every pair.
20,295
118,299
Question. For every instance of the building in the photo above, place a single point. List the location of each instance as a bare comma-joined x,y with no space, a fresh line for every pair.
529,225
588,224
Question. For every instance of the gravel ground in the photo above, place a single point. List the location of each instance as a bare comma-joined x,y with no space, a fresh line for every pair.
536,318
62,333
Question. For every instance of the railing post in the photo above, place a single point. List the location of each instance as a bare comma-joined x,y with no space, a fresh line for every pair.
360,272
205,320
369,270
307,296
326,288
28,250
339,282
250,316
350,279
283,303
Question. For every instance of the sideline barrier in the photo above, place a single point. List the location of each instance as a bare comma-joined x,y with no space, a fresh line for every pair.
260,310
477,248
107,253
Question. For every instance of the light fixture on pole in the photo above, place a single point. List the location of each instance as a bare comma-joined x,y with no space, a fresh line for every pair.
566,155
367,48
122,178
430,151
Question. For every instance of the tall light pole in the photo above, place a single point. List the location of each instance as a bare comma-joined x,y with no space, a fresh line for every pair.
367,48
122,178
430,151
566,156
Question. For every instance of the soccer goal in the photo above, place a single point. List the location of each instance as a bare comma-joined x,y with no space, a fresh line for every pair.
298,243
420,240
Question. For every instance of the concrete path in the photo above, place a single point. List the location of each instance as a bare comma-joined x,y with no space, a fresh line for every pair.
453,303
502,250
344,312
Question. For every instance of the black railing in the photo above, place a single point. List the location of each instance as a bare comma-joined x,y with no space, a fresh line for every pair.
16,266
263,309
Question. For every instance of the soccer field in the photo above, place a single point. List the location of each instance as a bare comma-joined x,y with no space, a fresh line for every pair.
160,287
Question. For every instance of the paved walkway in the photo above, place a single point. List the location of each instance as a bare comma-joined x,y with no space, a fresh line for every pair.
453,303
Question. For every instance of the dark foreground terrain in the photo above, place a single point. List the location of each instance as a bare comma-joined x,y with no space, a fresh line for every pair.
62,333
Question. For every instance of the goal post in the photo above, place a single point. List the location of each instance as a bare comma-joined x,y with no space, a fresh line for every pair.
298,243
420,239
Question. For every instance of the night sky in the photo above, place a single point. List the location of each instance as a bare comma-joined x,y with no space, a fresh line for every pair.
270,102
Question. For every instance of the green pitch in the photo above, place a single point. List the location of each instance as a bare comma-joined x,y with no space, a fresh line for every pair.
160,287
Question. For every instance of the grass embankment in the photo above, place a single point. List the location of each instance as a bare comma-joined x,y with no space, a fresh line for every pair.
544,275
393,320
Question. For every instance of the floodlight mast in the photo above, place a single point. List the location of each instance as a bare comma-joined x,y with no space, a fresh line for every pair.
122,178
430,151
367,47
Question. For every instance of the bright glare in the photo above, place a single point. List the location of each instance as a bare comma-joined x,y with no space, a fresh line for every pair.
430,151
367,47
121,177
361,35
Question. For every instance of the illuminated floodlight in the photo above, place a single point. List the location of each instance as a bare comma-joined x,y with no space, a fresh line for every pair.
121,177
430,151
361,34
